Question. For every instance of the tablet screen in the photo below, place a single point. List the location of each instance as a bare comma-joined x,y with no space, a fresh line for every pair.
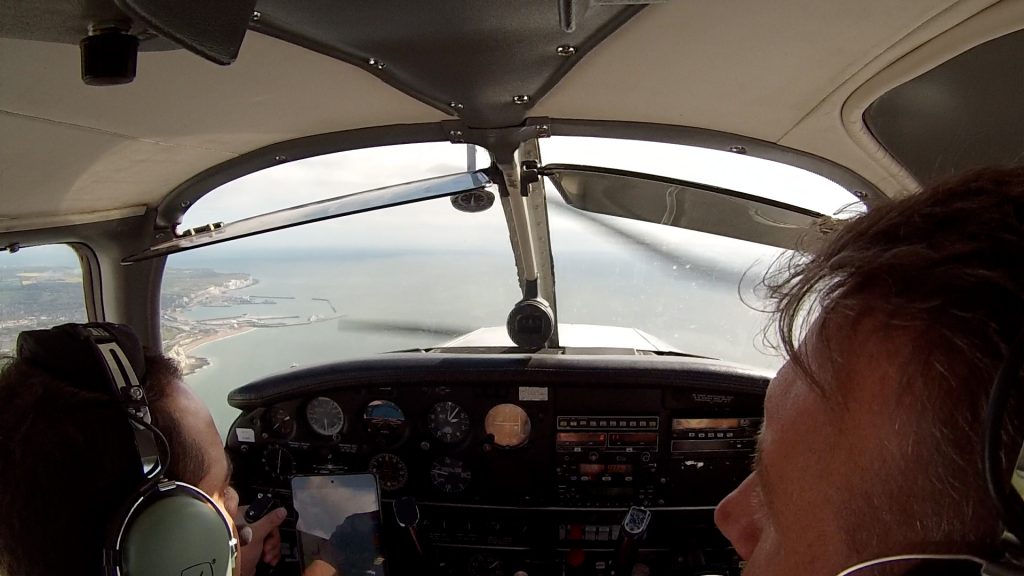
339,524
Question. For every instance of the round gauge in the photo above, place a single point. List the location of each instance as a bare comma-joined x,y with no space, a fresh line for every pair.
325,416
390,471
282,424
485,565
278,462
450,475
448,422
509,424
386,421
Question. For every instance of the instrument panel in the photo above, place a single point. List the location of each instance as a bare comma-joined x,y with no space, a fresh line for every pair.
530,462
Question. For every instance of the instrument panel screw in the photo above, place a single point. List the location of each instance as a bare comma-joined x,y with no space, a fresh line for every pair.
280,158
376,63
860,194
738,149
455,135
424,445
455,105
256,15
521,99
185,203
565,50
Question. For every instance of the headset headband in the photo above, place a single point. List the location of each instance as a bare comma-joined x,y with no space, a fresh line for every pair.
102,358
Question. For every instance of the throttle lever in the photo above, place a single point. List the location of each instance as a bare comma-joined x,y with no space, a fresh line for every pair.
634,528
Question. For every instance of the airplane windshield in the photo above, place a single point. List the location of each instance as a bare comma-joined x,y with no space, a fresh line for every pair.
407,277
420,275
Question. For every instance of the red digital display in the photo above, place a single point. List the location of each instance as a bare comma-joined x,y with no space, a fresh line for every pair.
633,439
580,439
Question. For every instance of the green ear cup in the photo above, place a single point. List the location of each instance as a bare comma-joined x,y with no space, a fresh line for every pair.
178,535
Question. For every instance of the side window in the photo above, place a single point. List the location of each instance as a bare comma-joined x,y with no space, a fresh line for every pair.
40,287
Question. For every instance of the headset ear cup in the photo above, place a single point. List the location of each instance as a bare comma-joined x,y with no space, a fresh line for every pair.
177,532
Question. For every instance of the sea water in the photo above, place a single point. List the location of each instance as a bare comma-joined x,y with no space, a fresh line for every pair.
694,310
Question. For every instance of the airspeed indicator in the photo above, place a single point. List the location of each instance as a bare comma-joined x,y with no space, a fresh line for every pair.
325,416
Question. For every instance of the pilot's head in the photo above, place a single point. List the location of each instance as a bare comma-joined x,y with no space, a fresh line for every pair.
67,463
873,433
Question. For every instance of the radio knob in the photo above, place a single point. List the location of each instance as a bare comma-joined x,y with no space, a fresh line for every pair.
593,456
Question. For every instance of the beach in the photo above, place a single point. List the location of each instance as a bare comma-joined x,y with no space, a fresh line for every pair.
182,350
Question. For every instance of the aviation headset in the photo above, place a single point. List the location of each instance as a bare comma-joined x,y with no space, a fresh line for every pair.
166,528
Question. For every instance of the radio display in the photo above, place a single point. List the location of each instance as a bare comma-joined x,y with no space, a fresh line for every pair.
616,441
584,439
713,434
594,470
705,423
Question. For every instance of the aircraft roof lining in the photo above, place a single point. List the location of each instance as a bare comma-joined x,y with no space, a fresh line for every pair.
755,81
65,220
948,33
266,97
984,86
948,73
99,134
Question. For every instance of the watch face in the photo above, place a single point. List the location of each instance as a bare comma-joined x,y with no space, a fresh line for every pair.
636,520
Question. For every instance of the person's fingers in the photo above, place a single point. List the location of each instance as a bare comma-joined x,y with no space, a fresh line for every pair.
244,535
231,504
264,526
272,548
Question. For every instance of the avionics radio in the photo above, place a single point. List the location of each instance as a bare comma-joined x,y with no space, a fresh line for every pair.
710,456
713,434
607,460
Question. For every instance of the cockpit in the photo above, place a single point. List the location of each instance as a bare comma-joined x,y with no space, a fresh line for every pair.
483,280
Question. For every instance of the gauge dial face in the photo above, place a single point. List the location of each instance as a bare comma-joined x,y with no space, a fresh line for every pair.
391,472
386,421
282,424
325,416
448,422
450,475
509,424
278,462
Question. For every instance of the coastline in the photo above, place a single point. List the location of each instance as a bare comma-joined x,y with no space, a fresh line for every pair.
184,352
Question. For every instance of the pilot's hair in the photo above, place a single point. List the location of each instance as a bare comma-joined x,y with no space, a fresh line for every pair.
68,463
940,274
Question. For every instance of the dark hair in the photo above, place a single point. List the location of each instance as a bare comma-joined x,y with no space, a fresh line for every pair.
68,464
942,269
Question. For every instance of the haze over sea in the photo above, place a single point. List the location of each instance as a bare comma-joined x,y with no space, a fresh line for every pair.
696,309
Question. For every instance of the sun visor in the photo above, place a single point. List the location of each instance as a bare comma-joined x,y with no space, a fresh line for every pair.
688,205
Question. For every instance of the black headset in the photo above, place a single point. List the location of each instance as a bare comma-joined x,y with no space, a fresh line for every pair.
166,528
